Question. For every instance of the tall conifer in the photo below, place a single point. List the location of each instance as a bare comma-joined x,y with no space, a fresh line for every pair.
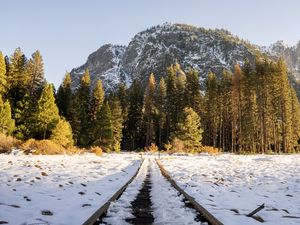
3,79
47,115
64,97
150,110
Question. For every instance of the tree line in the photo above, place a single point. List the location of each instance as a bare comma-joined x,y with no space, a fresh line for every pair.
253,109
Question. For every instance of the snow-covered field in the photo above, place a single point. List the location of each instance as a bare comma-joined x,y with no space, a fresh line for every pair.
231,186
168,207
69,187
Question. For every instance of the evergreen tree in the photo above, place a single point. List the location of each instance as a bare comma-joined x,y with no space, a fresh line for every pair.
236,108
150,110
62,133
189,130
97,100
225,106
64,97
192,91
117,123
211,114
264,78
295,120
161,107
249,110
7,124
3,79
286,107
180,95
104,127
133,125
17,77
80,111
171,101
47,115
35,71
122,94
26,118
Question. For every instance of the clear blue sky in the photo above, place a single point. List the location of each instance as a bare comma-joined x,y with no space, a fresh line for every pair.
67,31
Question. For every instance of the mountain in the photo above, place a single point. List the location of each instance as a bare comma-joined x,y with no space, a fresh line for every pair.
154,49
291,56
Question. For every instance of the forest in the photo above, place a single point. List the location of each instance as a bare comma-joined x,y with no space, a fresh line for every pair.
252,109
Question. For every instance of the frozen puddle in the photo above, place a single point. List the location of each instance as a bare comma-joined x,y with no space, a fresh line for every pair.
150,199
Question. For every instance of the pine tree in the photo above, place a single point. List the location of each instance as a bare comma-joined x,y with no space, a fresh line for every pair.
295,120
35,71
117,123
225,106
17,88
180,95
193,96
237,108
161,107
7,124
286,107
150,110
64,97
25,115
104,128
189,130
122,94
80,111
62,134
265,79
133,125
97,100
171,101
47,115
17,77
211,114
249,110
3,79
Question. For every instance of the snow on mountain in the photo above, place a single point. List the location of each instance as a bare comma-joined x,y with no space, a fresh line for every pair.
103,64
291,55
156,48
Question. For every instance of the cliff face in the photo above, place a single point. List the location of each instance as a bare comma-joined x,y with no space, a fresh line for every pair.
154,49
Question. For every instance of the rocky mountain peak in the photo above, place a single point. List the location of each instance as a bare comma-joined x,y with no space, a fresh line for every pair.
154,49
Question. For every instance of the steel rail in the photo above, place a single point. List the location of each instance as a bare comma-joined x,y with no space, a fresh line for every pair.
204,212
103,209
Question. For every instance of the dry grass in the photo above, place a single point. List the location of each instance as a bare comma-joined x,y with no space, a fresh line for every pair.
7,143
152,148
48,147
73,150
45,147
96,150
210,150
177,145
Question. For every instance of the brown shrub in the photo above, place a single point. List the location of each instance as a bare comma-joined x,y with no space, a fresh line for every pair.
45,147
7,143
74,150
177,145
96,150
152,148
168,147
210,150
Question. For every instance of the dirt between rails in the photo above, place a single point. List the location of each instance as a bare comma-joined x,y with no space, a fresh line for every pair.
141,206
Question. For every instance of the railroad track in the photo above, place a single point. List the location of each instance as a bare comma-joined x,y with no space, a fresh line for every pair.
141,206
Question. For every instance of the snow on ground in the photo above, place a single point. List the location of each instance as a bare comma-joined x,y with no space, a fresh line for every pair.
121,209
168,205
69,187
231,186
